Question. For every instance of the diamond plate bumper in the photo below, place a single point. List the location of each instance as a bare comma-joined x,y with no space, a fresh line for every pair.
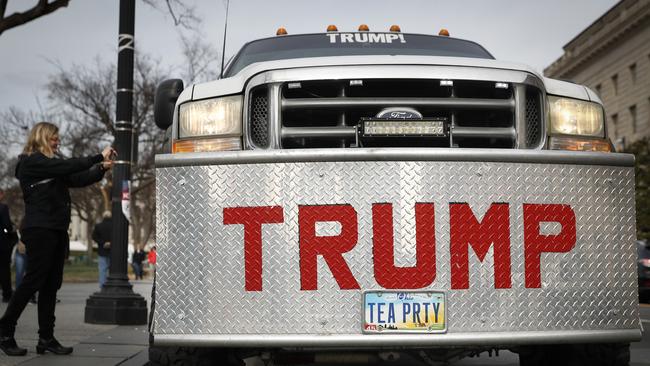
203,293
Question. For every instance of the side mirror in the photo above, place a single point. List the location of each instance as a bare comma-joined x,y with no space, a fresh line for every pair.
167,93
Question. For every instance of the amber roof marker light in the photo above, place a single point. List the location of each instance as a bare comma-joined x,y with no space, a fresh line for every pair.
364,28
332,28
395,28
281,32
444,32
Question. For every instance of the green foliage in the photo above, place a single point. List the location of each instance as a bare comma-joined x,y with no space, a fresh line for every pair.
641,149
80,272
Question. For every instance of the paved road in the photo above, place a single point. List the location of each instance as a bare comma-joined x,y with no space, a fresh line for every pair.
97,345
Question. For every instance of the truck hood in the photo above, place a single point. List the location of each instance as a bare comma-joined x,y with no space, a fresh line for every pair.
237,83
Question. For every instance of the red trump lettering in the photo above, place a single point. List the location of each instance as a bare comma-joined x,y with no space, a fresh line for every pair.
466,231
252,218
386,273
330,247
535,243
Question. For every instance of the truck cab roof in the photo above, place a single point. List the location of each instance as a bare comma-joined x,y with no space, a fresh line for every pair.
352,44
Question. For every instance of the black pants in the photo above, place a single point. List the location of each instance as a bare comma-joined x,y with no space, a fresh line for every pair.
46,252
5,270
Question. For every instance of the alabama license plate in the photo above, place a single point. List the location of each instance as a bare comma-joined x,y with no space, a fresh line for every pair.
404,312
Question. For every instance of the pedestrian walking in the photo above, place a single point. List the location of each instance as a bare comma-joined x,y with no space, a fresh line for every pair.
20,262
151,258
45,180
102,234
136,262
8,239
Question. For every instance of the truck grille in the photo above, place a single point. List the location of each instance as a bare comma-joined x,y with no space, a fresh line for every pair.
533,117
259,130
325,113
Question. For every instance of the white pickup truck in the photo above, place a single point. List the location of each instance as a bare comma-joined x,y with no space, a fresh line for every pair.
361,195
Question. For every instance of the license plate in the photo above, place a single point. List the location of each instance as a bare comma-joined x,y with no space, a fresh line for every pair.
404,312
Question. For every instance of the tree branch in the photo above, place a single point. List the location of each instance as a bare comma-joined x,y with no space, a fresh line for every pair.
42,8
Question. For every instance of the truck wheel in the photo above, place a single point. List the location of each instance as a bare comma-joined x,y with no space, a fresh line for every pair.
192,356
644,297
605,354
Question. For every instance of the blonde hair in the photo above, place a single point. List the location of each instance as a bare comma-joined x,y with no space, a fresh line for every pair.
39,139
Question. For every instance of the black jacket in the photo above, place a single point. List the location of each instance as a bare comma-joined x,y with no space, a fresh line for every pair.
6,228
138,256
45,182
102,233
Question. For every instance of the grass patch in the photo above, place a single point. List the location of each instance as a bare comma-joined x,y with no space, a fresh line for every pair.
80,272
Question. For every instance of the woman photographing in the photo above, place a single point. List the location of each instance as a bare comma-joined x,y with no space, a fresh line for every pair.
45,180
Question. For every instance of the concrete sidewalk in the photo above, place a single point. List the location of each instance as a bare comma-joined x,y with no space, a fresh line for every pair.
96,345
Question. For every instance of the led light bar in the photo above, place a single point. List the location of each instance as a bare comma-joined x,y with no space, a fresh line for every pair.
404,128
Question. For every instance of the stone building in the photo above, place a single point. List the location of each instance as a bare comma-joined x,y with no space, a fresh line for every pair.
612,57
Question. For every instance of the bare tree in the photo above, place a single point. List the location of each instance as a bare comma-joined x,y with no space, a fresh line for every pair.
13,195
86,101
82,102
201,58
42,7
182,14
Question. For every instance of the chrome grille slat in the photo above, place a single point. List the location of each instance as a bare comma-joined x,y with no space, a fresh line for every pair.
350,132
452,103
486,132
323,132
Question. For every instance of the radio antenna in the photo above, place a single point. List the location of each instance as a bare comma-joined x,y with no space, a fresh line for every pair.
225,31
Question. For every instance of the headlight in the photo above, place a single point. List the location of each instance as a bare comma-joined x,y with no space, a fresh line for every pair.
576,117
211,117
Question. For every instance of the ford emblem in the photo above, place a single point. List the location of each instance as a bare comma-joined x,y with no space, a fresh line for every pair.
399,113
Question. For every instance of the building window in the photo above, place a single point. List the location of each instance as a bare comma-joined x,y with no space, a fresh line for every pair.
599,89
633,73
615,83
614,119
633,117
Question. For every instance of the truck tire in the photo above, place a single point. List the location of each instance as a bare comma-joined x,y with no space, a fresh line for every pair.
192,356
605,354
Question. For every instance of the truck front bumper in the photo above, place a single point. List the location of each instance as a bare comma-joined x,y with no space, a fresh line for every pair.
237,266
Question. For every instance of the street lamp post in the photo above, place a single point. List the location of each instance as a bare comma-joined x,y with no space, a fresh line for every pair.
116,303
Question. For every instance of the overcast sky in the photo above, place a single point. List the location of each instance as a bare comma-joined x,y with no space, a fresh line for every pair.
525,31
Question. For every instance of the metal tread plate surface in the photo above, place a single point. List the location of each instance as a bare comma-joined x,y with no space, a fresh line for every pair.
201,287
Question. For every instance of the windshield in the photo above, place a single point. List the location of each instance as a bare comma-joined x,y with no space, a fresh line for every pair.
349,44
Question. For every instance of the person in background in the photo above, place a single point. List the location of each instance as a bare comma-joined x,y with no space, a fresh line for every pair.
20,261
151,257
45,180
136,261
8,239
102,236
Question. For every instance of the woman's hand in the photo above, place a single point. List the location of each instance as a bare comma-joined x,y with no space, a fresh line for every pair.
107,165
109,153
